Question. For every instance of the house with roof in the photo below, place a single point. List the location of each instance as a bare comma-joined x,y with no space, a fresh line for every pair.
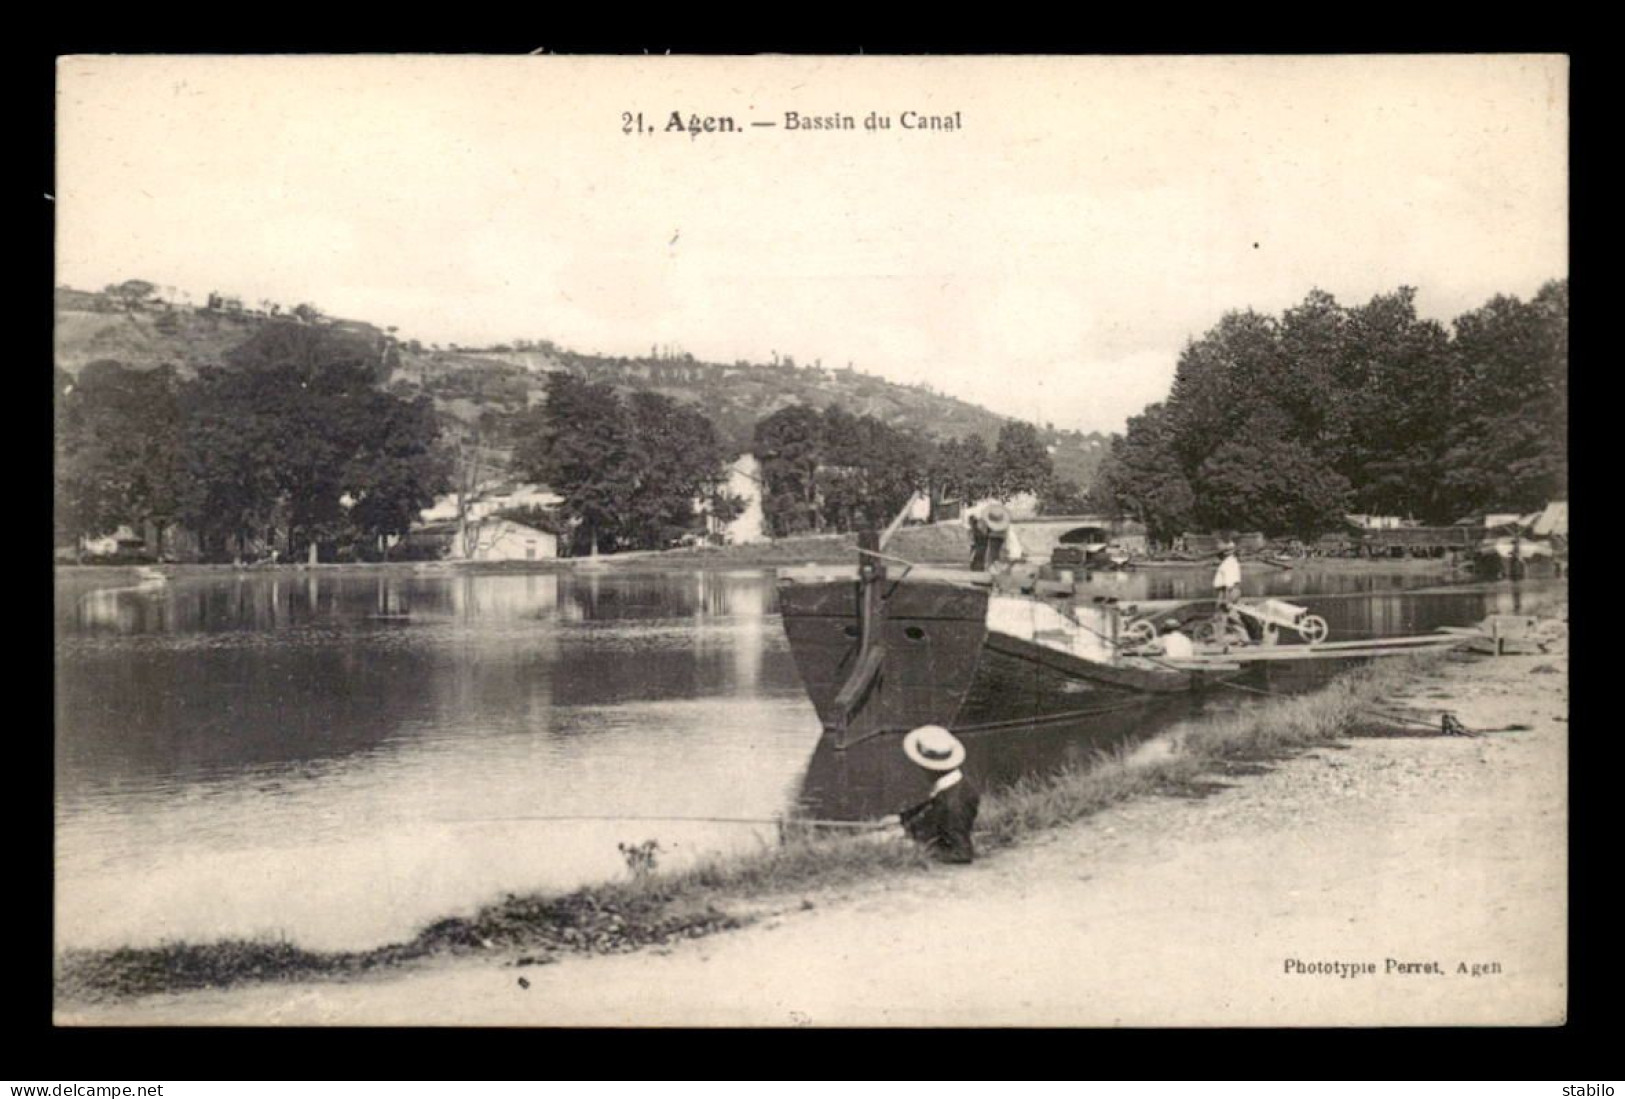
1550,522
491,498
489,539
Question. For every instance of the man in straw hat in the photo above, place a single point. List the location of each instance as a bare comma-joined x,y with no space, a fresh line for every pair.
991,536
1227,577
942,823
1226,584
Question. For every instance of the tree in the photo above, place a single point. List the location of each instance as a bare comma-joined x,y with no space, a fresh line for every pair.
278,439
1508,426
471,463
118,449
229,488
963,469
310,391
1060,496
1142,476
789,444
676,457
397,468
1224,388
132,294
722,507
835,469
1270,423
1390,392
632,473
1278,485
1021,461
578,442
896,463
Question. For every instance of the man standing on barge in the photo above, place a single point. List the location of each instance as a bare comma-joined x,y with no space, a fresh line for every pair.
1226,586
992,537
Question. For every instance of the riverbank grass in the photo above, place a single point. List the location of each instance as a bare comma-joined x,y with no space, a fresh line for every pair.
654,908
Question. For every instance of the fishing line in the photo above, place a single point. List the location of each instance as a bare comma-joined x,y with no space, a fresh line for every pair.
618,817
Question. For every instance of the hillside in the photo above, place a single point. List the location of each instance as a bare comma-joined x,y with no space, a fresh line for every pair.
493,384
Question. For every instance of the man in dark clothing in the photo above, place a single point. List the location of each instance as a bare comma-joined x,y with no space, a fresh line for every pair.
942,823
989,526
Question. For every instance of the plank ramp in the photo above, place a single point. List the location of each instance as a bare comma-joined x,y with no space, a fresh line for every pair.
1326,650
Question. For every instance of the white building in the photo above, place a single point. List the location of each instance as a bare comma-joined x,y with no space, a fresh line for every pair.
1554,520
744,481
124,538
1380,522
491,498
1022,505
490,540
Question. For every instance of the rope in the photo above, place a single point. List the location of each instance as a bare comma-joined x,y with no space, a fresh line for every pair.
780,821
887,557
1449,724
1446,721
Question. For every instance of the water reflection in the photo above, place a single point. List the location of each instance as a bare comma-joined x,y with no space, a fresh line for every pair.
341,756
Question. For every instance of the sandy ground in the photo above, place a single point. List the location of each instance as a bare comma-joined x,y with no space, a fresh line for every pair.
1381,851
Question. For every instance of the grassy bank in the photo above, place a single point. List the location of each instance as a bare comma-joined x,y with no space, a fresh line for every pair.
657,908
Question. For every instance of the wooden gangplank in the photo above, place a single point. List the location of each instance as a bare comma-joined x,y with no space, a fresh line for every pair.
1326,650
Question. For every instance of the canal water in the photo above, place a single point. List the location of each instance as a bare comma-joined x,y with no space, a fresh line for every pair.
340,758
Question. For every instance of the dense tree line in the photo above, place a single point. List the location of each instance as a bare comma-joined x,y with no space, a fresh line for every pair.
836,471
1019,462
1284,424
632,471
833,470
289,444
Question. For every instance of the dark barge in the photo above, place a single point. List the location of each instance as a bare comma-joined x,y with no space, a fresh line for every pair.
882,652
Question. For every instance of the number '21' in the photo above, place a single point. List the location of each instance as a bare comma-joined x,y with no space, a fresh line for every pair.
631,123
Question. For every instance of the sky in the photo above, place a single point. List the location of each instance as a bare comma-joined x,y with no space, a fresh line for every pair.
1048,258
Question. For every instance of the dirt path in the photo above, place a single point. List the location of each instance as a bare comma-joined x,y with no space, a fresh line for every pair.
1169,911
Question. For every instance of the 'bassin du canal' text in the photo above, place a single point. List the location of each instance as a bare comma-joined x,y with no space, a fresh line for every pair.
875,121
695,125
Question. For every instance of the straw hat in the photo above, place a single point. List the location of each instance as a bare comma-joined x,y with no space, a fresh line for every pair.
934,748
997,518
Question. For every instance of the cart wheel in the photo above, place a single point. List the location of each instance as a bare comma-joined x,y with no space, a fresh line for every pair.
1139,633
1314,629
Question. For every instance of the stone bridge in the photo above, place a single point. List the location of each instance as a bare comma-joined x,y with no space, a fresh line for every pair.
1039,536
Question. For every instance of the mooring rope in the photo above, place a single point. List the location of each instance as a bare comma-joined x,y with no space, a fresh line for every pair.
1448,724
782,822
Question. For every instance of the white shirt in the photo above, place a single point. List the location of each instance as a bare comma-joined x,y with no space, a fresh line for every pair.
1229,572
948,780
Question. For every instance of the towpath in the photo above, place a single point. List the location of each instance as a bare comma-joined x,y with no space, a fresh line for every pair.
1388,851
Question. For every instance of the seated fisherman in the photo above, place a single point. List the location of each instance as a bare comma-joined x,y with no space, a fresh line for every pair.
942,823
1177,645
